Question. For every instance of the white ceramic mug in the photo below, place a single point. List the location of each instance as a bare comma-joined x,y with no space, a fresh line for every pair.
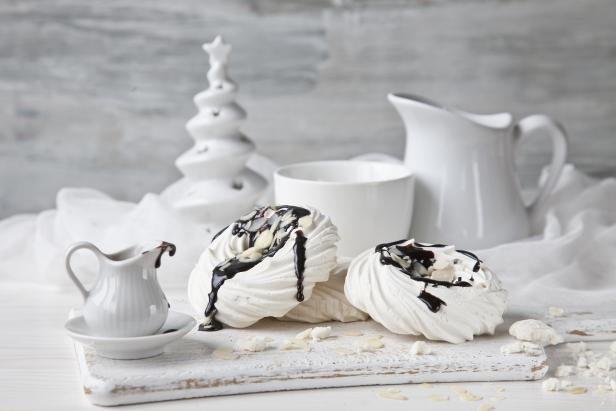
369,202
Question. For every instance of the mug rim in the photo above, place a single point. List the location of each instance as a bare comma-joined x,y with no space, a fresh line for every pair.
405,172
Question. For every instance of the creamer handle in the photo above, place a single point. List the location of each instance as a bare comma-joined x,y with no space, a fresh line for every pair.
527,127
67,261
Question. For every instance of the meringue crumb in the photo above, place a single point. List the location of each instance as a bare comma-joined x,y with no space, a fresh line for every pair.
316,333
295,344
517,347
535,331
604,364
577,390
353,333
320,333
500,389
420,348
252,344
425,385
224,354
369,345
304,335
391,394
582,362
551,384
577,347
554,312
438,397
466,395
343,351
485,407
603,389
564,370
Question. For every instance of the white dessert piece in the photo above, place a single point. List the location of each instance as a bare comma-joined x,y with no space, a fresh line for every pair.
564,370
252,344
517,347
328,302
316,333
551,384
535,331
250,269
420,348
613,347
430,290
554,312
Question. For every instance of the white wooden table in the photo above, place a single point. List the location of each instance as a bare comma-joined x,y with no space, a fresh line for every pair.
38,371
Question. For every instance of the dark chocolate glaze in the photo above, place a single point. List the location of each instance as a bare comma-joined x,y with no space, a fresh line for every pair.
164,246
300,261
416,253
432,301
284,220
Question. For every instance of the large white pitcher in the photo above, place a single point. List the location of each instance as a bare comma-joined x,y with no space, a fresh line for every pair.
467,192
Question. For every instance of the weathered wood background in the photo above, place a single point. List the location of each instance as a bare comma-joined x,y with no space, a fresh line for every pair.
97,93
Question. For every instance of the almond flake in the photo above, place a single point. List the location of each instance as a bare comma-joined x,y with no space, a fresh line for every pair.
343,351
425,385
353,333
577,390
391,394
224,354
467,395
438,398
485,407
500,389
295,344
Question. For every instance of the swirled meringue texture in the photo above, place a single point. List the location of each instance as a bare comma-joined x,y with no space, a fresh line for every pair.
328,302
390,297
268,289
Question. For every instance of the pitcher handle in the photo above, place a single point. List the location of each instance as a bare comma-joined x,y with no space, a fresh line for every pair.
526,127
67,261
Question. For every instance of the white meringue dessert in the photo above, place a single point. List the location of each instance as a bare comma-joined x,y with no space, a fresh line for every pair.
262,265
431,290
328,302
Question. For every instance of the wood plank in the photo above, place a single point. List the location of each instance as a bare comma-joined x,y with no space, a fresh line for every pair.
188,369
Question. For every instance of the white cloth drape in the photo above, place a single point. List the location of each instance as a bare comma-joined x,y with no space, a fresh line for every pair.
572,261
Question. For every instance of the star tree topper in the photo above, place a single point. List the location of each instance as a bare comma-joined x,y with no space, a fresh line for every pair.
218,50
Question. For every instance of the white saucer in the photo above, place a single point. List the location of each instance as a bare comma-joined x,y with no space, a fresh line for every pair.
132,348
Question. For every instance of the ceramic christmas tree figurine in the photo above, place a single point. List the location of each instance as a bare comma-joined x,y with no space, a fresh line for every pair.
217,186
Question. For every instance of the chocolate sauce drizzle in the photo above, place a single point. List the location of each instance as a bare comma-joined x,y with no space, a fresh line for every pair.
164,246
415,253
282,220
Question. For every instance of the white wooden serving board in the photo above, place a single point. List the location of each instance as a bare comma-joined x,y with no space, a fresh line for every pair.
187,368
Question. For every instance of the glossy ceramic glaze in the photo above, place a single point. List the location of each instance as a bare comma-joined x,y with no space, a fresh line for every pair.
369,202
466,191
126,299
132,348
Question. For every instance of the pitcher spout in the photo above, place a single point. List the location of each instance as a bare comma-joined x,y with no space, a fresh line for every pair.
155,254
416,109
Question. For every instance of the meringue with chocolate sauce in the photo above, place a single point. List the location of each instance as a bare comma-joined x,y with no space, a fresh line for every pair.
262,265
432,290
